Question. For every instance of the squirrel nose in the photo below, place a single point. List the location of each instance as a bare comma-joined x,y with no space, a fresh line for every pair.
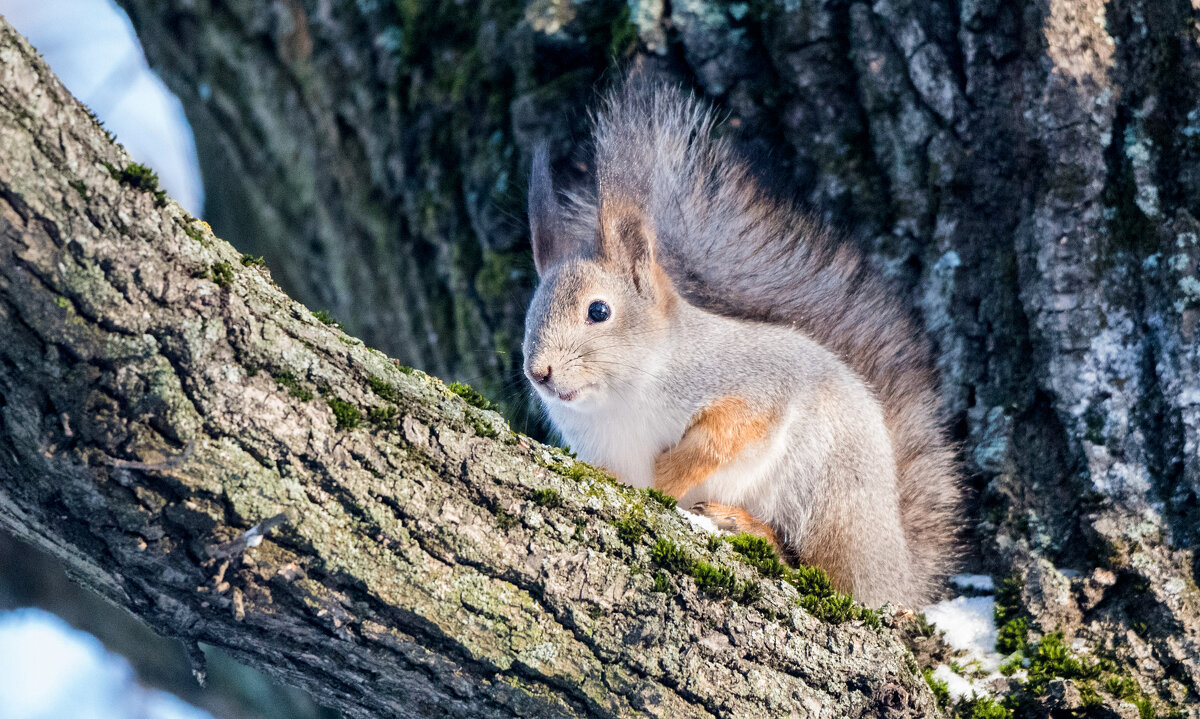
539,376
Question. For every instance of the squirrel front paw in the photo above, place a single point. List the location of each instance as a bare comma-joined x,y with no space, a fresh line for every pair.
737,520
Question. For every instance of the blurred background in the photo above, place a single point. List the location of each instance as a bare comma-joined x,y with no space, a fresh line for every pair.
64,652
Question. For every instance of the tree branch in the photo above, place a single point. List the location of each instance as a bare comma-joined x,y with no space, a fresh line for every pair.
207,454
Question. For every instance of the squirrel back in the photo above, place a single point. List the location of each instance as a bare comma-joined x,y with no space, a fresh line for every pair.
732,248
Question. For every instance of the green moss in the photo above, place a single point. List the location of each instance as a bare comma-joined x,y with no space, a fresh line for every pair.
713,579
1122,687
382,416
347,415
1008,599
1145,708
289,382
1051,659
630,529
222,274
578,534
470,394
505,520
547,498
940,688
325,318
189,229
580,471
1088,695
482,427
252,261
713,543
62,302
384,389
749,593
1012,666
80,187
819,597
140,177
662,582
624,33
710,578
924,628
1012,636
978,707
671,557
661,497
758,553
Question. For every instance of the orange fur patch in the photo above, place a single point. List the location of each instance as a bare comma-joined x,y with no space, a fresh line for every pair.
717,435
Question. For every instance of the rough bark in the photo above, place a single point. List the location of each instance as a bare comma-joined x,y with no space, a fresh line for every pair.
1027,171
204,452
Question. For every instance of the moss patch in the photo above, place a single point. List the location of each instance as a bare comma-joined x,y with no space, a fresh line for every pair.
252,261
940,688
139,177
819,597
325,318
630,529
547,498
1012,636
470,394
710,578
289,382
662,498
384,389
347,415
382,416
505,520
222,274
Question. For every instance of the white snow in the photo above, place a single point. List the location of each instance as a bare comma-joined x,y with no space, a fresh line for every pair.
967,622
91,46
959,686
969,626
698,522
977,582
49,670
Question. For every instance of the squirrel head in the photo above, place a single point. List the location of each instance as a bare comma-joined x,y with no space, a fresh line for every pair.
603,306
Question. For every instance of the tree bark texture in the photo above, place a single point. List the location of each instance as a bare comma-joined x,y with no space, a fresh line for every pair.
1027,172
204,452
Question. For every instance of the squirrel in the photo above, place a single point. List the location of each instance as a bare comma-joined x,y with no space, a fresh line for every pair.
693,333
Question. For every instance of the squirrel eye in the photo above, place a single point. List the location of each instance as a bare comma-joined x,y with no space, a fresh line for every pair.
598,311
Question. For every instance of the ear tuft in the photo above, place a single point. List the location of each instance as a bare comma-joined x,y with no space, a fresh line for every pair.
544,213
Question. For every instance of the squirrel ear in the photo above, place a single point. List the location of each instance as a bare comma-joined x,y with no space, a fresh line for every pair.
545,222
626,238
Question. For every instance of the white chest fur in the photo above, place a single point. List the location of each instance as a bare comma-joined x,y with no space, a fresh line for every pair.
624,435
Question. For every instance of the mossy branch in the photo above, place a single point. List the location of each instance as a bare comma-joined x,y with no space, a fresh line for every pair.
159,433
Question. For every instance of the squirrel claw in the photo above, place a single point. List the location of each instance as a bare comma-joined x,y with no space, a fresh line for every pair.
737,520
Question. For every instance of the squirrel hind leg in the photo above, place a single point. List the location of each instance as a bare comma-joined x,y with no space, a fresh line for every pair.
737,520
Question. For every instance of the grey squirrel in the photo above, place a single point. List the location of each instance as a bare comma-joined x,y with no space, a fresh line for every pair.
691,332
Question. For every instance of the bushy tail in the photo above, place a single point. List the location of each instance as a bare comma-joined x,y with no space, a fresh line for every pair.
733,248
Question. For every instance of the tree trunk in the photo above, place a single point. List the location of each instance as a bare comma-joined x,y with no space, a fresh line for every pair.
1028,172
207,454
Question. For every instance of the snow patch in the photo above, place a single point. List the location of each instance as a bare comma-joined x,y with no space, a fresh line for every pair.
960,687
698,522
970,626
48,669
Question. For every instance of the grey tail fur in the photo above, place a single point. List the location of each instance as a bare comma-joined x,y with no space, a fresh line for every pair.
733,248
